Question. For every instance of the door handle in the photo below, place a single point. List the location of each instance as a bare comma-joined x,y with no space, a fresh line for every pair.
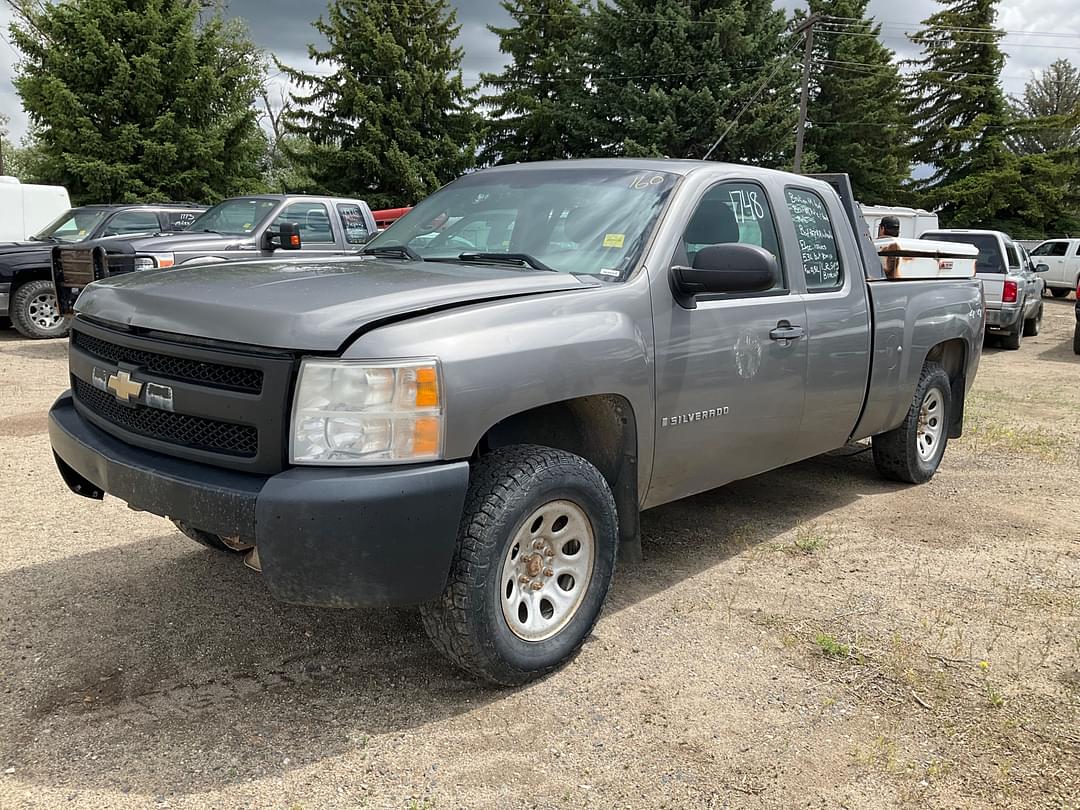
785,331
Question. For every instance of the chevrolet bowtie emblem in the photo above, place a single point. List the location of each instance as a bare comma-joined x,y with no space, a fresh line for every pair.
125,388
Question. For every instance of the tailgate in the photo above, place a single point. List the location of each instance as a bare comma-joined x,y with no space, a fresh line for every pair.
993,287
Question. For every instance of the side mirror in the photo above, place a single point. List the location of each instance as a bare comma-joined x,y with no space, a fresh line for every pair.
286,237
1042,268
728,268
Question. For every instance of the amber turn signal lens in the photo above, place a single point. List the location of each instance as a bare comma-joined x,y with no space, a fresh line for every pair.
427,387
426,436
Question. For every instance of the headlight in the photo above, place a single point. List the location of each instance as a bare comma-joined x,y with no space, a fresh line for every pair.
358,412
152,260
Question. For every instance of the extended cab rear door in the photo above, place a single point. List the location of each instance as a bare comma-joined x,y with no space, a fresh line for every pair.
829,270
730,372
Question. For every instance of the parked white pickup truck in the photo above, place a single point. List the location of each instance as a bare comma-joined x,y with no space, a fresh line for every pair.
1062,257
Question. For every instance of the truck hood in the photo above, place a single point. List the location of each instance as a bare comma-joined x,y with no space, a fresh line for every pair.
10,250
313,305
182,240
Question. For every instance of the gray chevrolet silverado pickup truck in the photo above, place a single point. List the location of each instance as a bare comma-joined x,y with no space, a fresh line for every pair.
470,416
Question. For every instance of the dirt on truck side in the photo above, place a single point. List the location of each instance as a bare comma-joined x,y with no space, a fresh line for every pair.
814,636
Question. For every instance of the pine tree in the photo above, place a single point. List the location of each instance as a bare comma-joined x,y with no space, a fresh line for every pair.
393,121
857,113
135,100
540,109
1048,112
961,116
672,75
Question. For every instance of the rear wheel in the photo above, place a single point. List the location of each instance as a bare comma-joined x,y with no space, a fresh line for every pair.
1058,292
535,557
1033,324
35,312
1013,339
913,451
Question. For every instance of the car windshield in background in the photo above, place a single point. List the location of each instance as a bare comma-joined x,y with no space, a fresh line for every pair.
990,259
234,217
588,221
74,226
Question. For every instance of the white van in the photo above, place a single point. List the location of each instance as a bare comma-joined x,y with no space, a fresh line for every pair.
914,222
26,209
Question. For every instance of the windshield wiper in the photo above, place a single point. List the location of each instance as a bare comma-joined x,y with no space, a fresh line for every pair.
211,230
394,251
517,259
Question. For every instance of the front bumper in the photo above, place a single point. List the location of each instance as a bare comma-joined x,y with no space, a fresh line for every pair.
335,537
1003,319
5,299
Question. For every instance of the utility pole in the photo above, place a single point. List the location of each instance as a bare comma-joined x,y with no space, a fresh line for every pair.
808,55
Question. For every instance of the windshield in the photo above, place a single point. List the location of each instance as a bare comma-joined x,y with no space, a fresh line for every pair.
990,259
234,217
589,221
74,226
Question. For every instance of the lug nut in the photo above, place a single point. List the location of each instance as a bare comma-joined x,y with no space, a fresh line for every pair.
548,572
537,586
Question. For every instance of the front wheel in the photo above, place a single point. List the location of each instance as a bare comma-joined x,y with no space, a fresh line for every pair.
1076,340
35,313
913,451
535,556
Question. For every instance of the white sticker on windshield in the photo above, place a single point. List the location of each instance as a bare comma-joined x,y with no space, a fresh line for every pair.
607,271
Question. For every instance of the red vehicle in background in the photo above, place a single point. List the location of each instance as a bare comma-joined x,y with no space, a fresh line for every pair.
388,216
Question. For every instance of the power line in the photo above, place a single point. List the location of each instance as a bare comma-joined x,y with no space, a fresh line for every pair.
751,100
972,29
1002,43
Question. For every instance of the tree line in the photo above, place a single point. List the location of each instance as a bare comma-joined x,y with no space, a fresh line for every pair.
134,100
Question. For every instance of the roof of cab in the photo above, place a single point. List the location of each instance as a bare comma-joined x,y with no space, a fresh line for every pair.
682,167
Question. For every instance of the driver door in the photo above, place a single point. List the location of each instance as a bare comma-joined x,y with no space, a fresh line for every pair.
729,388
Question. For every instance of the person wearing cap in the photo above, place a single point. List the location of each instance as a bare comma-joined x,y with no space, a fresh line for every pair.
889,227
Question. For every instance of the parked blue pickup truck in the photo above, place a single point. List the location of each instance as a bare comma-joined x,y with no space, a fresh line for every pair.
470,415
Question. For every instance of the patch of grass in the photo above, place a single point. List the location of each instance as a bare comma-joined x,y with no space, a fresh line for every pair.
808,539
986,428
831,648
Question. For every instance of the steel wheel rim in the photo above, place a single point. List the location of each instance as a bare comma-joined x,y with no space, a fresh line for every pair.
931,424
547,570
43,310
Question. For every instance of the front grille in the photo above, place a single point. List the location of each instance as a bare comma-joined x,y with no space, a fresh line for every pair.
189,431
178,368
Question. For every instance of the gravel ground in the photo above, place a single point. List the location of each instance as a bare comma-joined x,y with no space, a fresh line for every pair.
810,637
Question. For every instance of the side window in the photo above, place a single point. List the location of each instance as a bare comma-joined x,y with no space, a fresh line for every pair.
133,222
1051,249
180,220
817,240
353,223
314,222
731,212
1014,257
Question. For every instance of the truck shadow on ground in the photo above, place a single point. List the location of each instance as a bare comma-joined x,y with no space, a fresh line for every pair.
174,669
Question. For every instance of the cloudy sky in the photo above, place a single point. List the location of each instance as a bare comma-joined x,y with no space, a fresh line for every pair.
277,26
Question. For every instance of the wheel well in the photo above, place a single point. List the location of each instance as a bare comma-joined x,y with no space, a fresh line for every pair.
601,429
30,274
952,355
